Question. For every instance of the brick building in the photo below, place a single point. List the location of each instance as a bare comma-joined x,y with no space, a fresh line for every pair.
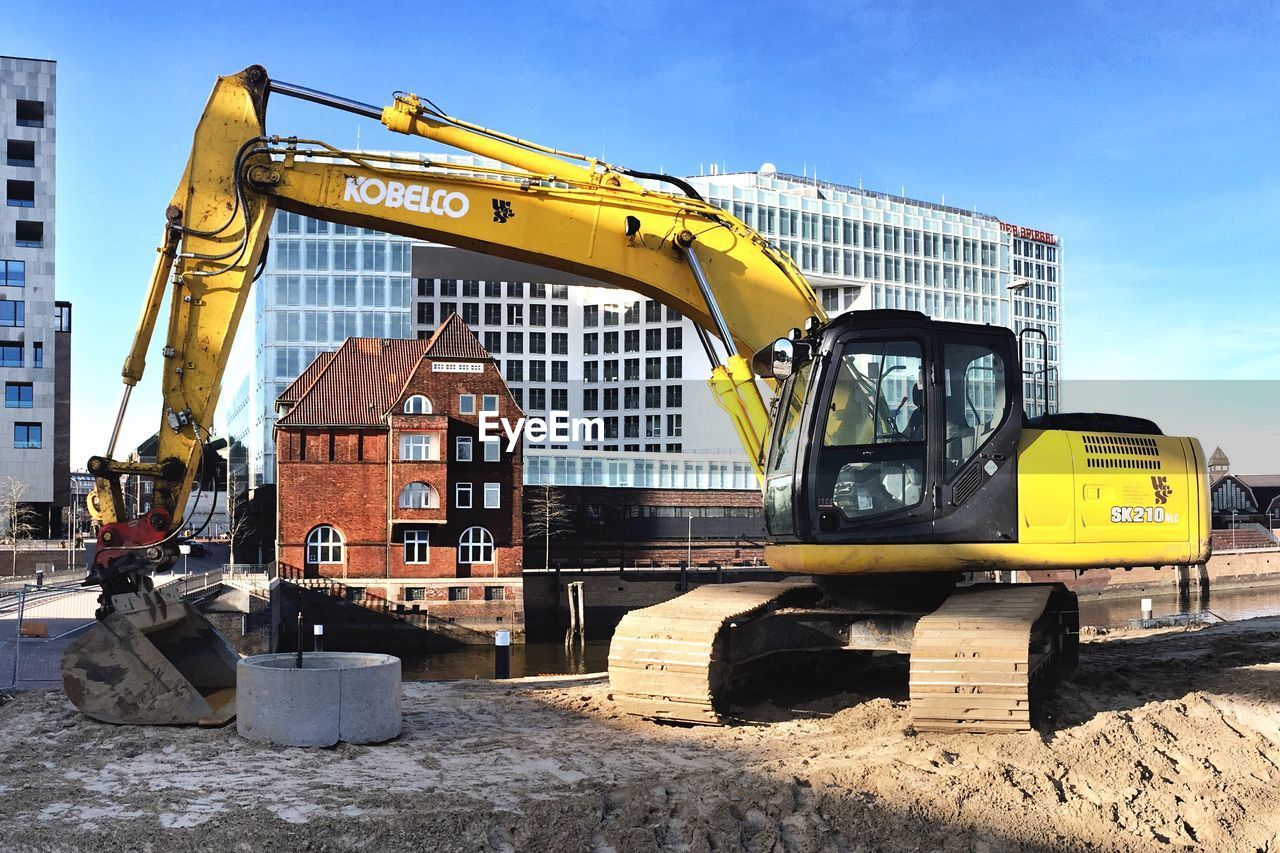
385,485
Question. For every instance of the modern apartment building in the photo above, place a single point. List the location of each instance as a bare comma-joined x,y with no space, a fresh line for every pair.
35,328
566,344
862,249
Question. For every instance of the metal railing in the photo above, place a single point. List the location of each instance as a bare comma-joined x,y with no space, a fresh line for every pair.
37,622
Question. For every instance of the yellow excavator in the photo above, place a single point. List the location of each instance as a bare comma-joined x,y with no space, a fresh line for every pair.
894,452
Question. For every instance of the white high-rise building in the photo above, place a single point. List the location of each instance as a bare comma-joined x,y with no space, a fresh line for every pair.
567,345
35,328
862,250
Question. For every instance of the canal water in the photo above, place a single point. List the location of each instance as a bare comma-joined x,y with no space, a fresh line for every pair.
545,658
526,659
1217,606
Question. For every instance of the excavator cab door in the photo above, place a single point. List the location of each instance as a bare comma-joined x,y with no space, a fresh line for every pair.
979,414
869,467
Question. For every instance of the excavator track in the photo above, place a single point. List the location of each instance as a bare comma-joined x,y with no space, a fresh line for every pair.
673,661
976,659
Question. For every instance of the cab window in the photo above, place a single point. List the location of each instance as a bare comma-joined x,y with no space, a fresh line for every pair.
872,459
976,400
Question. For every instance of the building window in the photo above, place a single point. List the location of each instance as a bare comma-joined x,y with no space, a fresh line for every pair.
21,152
27,436
489,403
417,546
17,395
419,496
30,113
37,355
462,496
475,546
462,448
324,545
20,193
417,405
492,451
459,593
415,593
10,355
13,273
28,235
466,404
13,312
492,496
415,447
495,593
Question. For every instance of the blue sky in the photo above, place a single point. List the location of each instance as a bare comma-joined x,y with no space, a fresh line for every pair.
1144,134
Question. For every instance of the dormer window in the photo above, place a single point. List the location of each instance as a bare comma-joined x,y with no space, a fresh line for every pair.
417,405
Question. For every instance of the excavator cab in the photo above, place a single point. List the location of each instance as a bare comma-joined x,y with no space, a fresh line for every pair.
893,427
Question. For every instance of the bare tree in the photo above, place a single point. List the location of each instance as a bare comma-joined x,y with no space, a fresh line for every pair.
547,515
16,515
238,522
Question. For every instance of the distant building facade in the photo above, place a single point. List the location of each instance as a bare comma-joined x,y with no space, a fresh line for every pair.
1246,498
35,328
384,481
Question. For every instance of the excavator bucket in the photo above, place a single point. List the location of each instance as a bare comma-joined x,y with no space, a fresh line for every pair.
176,669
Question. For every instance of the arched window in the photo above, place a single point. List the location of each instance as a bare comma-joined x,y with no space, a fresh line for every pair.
419,496
324,545
475,546
417,405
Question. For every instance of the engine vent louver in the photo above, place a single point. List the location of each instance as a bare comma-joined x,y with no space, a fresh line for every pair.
1121,452
966,485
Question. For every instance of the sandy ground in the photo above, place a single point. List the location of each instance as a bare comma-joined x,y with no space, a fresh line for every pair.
1163,741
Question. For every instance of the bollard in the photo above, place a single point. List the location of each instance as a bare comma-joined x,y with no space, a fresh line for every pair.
502,654
1146,608
318,641
299,639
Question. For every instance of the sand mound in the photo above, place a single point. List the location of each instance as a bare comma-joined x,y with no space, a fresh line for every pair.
1163,741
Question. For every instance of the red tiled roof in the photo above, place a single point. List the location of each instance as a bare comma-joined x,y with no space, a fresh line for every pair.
361,381
358,384
454,339
299,386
